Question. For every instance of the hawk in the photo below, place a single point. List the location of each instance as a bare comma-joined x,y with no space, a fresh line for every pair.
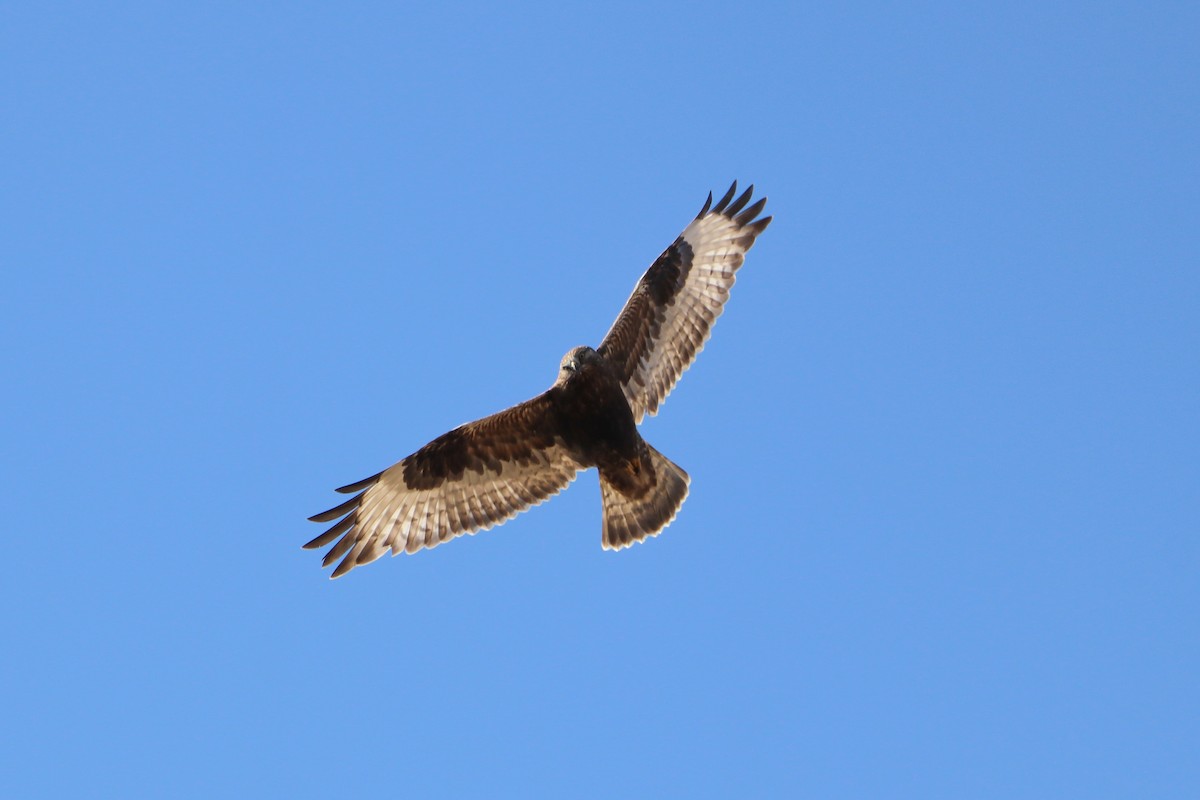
488,471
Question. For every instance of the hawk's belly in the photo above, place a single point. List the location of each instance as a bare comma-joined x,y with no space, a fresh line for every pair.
596,421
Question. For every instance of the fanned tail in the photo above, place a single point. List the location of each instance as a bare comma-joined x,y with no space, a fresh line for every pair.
632,516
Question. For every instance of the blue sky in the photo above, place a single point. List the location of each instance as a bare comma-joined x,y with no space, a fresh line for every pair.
942,535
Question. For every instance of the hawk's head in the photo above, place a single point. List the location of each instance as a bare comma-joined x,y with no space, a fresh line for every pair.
575,361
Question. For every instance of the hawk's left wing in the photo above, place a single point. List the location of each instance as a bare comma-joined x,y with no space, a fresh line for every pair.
670,314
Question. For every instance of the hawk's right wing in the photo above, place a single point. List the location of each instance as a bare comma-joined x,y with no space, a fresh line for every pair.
476,476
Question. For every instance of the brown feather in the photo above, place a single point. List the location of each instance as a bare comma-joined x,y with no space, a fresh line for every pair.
670,314
473,477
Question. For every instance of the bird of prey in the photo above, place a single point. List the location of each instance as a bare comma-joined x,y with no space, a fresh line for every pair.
488,471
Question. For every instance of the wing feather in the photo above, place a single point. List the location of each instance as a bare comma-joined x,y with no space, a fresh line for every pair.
469,479
669,316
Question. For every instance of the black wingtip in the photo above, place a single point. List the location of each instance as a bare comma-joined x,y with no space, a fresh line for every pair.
348,563
724,201
337,511
351,488
707,206
750,213
328,536
340,549
740,203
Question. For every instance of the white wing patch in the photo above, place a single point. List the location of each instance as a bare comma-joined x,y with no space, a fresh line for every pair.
687,323
709,252
388,516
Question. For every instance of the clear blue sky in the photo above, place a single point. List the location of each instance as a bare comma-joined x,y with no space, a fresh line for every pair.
942,540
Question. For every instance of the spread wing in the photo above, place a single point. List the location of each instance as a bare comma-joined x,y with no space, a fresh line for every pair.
670,314
476,476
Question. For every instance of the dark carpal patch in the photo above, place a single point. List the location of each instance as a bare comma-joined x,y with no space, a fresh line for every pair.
513,436
667,274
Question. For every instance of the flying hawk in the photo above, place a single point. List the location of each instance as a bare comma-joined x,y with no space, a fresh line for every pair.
488,471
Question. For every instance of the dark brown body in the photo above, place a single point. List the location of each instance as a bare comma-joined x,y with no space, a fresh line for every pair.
596,424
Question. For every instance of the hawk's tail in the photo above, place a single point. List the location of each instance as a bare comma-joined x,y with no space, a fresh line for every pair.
629,516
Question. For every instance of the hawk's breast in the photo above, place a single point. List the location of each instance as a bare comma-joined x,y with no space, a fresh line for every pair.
595,416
